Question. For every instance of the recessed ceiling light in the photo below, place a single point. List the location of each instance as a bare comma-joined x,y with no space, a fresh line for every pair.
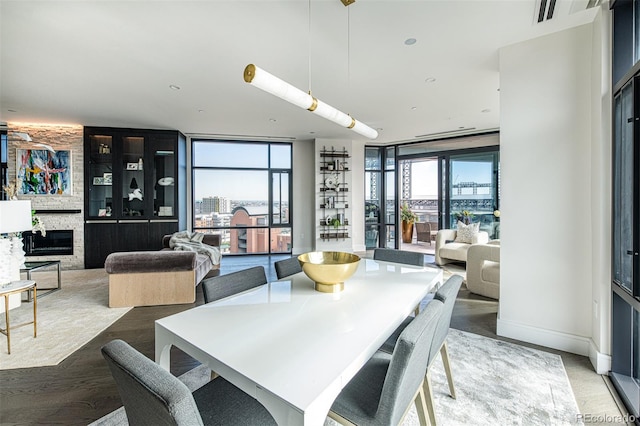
174,87
430,80
414,108
200,110
410,41
486,110
273,120
12,110
312,133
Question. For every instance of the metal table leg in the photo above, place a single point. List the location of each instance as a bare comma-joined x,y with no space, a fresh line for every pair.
46,291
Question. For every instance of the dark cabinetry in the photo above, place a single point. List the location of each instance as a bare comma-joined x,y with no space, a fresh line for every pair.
135,190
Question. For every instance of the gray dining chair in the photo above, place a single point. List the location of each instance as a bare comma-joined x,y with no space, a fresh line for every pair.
385,388
216,288
153,396
399,256
287,267
447,295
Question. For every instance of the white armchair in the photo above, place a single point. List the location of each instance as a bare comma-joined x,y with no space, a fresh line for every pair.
483,269
447,250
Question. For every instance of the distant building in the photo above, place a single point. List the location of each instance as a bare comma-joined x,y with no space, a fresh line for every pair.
212,220
256,240
214,205
249,240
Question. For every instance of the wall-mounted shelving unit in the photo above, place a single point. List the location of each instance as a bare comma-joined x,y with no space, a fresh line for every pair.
334,194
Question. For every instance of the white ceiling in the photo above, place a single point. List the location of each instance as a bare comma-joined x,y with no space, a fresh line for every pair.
110,63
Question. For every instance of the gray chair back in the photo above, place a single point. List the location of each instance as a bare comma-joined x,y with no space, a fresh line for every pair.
399,256
287,267
408,364
150,394
216,288
447,294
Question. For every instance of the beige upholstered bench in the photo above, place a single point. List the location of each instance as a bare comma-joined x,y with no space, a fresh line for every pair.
165,277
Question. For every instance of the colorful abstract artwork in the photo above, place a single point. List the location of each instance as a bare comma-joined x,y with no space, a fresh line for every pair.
40,171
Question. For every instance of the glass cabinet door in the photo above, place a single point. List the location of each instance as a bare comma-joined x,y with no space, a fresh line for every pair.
164,177
133,184
100,176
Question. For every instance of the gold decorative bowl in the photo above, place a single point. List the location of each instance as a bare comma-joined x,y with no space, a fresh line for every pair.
329,269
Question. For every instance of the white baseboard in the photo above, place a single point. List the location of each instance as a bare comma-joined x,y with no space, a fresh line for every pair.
539,336
601,362
359,248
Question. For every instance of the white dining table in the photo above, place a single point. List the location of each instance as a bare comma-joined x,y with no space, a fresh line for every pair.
291,347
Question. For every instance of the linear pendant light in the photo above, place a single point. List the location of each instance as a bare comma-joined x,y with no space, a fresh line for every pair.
263,80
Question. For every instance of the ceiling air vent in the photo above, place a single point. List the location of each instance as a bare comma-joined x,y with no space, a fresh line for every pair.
580,5
545,10
448,132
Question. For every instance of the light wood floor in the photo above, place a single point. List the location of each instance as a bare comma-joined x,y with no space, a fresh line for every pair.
80,389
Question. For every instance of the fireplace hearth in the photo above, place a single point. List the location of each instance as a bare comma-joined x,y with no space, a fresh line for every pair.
59,242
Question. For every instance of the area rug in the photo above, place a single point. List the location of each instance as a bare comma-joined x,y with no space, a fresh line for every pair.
497,383
82,305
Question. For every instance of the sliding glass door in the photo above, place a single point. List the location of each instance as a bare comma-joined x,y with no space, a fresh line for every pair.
438,186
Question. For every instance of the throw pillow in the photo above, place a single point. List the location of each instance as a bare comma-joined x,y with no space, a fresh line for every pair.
465,233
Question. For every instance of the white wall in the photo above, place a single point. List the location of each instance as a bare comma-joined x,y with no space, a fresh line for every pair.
303,196
357,201
554,165
601,194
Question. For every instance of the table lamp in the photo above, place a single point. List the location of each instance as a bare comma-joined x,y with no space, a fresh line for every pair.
15,217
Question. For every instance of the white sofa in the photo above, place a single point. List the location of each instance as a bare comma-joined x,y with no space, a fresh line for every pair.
483,269
447,250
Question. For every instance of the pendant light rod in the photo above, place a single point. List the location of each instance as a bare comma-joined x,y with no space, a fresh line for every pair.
263,80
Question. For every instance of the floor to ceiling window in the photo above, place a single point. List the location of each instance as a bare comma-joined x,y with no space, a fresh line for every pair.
242,191
437,180
625,244
625,366
472,186
441,179
380,197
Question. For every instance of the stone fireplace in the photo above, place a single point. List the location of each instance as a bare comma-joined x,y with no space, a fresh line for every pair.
58,212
